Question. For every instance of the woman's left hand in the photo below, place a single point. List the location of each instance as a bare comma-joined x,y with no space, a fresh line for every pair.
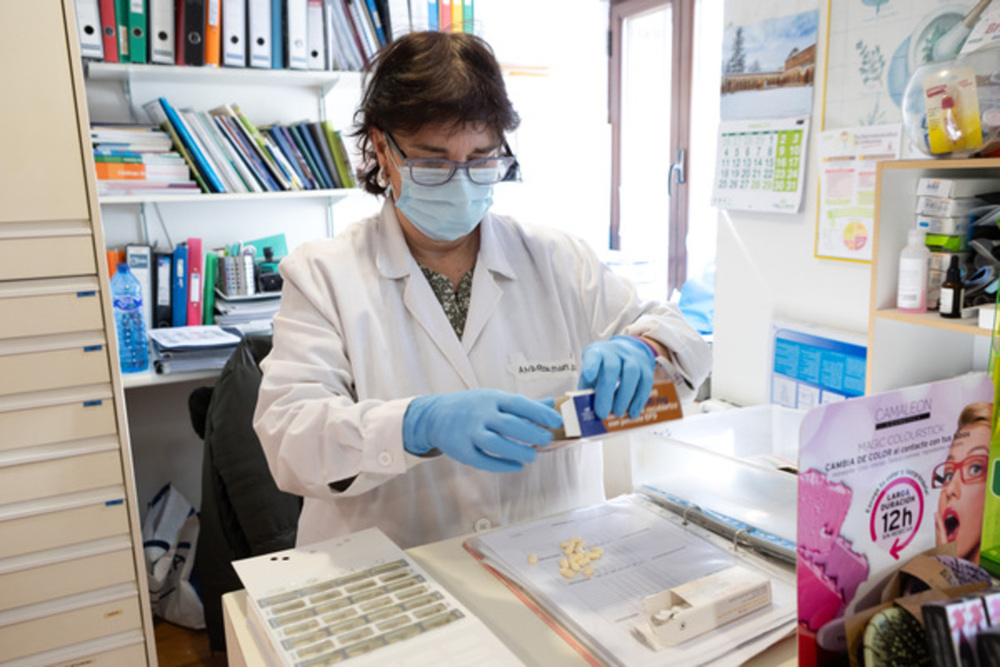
620,371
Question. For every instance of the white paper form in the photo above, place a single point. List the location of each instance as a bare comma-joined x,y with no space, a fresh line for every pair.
645,551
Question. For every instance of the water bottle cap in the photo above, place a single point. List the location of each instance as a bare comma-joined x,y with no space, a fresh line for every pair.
123,267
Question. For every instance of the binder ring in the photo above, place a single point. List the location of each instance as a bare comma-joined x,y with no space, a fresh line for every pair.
684,516
736,538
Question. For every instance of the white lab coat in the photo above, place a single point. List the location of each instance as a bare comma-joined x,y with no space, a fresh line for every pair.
360,333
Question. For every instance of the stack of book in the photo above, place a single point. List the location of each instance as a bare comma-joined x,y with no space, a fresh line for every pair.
270,34
135,158
254,309
228,153
194,348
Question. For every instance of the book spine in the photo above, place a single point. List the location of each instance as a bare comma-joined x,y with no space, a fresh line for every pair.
211,178
182,149
319,136
249,151
278,139
302,133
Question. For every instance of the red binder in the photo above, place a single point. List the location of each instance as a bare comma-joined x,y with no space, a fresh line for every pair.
196,262
109,31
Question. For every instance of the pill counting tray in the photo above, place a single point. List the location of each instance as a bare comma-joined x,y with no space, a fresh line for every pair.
359,599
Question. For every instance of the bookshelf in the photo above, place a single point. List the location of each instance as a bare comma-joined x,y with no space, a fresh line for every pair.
158,418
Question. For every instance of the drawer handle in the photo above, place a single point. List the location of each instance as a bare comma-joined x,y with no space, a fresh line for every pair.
119,501
93,404
83,294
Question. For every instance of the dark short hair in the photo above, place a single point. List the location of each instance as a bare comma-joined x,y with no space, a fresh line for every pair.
431,77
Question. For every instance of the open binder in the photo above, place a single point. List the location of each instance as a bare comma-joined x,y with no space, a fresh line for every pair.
647,548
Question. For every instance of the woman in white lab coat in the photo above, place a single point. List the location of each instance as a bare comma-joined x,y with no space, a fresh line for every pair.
413,352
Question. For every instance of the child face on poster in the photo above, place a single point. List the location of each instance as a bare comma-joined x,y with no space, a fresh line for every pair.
962,480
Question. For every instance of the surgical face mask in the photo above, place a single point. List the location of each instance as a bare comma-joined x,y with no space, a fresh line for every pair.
444,212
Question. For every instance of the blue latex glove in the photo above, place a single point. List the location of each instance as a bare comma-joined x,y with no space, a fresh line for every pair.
484,428
620,371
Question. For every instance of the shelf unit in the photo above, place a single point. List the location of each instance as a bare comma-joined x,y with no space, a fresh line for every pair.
168,448
72,572
904,348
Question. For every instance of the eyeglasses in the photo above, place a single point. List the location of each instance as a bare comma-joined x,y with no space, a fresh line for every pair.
438,171
971,469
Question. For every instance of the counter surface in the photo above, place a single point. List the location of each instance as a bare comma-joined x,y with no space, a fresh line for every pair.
517,626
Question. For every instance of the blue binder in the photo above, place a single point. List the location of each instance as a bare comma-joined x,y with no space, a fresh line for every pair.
179,287
277,34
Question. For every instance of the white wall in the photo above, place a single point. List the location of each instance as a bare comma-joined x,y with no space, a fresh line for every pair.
767,271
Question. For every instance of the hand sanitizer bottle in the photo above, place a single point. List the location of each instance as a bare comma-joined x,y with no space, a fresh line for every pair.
914,260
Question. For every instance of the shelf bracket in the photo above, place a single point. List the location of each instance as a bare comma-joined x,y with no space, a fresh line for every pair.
127,89
144,223
329,218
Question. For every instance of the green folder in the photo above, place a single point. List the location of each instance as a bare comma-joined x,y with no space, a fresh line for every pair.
208,300
137,29
121,21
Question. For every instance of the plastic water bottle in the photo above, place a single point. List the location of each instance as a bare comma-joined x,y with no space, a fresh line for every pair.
126,298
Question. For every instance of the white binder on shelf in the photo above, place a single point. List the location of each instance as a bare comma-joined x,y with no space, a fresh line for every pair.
88,23
234,33
315,35
162,42
296,39
259,33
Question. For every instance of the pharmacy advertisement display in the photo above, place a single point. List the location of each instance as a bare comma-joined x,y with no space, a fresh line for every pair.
881,479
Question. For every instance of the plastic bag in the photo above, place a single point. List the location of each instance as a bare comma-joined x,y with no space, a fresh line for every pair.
169,540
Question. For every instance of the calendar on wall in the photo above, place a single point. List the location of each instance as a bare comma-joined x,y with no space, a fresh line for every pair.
761,164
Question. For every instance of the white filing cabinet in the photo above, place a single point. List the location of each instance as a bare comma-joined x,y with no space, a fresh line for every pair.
72,579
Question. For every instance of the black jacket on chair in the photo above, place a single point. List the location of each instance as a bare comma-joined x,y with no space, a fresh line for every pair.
243,513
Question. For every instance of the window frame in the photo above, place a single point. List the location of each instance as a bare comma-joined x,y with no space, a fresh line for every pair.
682,42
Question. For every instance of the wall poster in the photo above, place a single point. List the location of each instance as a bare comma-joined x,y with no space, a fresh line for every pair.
848,159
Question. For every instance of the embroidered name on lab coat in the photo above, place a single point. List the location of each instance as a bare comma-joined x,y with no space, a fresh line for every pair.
527,370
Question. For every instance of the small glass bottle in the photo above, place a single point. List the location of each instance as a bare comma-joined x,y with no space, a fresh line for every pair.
914,261
951,290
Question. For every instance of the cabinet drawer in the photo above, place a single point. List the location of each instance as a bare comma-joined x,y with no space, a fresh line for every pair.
40,479
52,369
57,423
69,577
46,257
61,528
123,656
33,308
69,627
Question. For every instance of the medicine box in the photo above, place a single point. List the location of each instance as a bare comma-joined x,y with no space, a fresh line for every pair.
951,225
580,420
947,206
944,243
956,187
692,609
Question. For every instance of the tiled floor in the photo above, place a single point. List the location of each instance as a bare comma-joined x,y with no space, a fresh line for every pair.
180,647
